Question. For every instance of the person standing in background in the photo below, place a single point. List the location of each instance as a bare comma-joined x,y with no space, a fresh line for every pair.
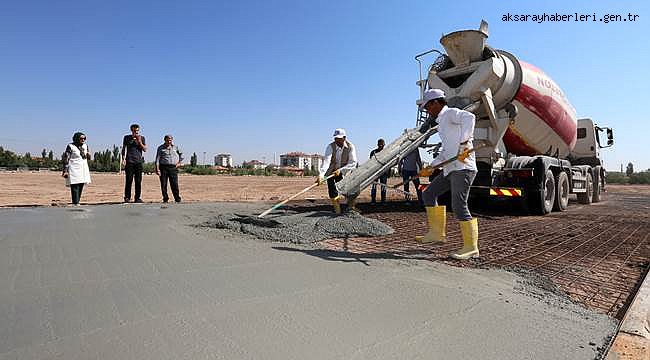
132,159
409,167
383,178
75,170
168,159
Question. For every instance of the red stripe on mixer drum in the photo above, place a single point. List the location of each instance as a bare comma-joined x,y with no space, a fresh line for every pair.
556,113
517,145
550,111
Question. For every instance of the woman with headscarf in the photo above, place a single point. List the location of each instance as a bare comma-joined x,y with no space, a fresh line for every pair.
75,170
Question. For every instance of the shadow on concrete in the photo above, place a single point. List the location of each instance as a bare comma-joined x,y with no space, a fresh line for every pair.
344,256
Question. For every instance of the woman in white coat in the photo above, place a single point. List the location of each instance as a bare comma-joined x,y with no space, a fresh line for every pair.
75,169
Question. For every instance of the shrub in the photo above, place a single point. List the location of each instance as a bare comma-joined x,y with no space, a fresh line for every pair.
616,177
199,170
640,177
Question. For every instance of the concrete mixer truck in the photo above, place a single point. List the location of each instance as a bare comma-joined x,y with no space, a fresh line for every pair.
530,143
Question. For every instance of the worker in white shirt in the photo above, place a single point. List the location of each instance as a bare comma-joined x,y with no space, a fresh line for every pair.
456,130
340,159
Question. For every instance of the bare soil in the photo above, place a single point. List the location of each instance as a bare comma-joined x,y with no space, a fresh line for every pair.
47,188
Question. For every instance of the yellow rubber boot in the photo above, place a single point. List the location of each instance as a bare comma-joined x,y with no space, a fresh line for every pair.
437,219
469,230
337,204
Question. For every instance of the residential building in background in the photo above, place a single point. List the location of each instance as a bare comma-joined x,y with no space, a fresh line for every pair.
224,160
301,160
255,164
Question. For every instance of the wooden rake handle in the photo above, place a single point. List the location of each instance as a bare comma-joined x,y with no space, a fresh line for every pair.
291,197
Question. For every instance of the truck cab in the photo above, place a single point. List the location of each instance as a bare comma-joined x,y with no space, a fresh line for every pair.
588,144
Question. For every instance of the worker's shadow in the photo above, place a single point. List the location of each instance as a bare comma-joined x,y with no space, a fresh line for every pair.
345,256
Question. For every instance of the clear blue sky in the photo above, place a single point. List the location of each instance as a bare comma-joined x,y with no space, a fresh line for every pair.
262,77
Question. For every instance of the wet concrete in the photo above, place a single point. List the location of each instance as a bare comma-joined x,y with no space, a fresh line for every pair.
301,227
143,282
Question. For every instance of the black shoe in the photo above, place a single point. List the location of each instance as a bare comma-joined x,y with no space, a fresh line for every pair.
138,201
165,201
177,201
127,200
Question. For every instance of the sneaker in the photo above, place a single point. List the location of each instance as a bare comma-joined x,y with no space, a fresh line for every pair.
165,201
178,201
127,200
138,201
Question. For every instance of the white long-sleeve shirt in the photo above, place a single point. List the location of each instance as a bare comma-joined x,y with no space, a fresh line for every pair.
455,127
345,168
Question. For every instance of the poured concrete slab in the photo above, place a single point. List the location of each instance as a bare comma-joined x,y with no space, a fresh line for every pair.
144,282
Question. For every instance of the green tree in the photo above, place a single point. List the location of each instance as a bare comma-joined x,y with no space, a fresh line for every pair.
630,169
193,160
44,153
116,153
7,157
50,156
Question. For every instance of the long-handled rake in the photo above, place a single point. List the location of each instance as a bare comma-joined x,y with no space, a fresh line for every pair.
261,221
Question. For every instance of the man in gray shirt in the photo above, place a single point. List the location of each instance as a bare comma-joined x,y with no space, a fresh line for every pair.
168,159
408,167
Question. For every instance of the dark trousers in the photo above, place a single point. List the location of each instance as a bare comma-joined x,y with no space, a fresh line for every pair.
373,190
407,177
459,182
75,190
331,186
133,170
169,172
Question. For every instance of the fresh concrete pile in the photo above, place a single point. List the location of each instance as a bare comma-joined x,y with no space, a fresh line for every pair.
302,228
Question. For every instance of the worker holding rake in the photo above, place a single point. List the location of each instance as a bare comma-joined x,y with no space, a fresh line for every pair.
340,158
456,130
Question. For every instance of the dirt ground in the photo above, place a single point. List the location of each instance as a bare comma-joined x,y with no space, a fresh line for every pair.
47,188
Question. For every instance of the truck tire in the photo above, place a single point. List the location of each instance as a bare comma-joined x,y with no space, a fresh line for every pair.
597,185
541,202
587,196
561,192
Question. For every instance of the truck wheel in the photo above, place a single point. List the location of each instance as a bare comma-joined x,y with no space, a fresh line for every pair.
561,192
541,203
597,188
587,196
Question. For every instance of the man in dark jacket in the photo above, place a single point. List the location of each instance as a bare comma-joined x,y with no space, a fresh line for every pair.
133,145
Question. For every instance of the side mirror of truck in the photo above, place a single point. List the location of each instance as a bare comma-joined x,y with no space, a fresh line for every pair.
610,137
